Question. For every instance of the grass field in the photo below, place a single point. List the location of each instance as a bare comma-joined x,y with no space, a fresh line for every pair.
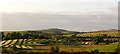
106,48
21,44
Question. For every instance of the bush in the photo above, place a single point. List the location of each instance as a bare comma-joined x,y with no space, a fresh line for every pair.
54,50
117,51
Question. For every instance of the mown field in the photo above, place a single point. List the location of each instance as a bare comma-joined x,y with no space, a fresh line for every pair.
81,42
115,33
30,45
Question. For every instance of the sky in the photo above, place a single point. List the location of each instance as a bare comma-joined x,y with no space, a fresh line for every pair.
75,15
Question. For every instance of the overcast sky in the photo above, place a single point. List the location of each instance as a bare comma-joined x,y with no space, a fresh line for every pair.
76,15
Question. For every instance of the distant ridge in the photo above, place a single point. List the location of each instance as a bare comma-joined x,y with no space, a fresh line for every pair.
109,30
54,30
57,30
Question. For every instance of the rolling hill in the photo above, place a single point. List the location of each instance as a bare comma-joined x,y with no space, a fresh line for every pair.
109,32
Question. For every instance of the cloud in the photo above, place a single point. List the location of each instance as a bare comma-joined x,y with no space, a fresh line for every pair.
77,22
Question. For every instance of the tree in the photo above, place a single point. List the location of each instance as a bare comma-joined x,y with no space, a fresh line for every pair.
54,50
8,36
98,39
3,36
16,35
26,36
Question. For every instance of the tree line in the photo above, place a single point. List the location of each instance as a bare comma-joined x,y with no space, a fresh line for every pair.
18,35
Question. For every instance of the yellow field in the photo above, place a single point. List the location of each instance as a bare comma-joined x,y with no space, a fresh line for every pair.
99,34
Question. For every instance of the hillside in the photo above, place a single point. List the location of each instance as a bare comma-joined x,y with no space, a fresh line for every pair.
55,30
109,32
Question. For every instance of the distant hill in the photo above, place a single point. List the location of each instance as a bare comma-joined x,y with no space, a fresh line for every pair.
57,30
109,30
54,30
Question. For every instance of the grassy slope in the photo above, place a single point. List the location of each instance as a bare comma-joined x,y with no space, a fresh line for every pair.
99,34
106,48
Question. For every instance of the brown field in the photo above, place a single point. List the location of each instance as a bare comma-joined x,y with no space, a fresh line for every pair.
69,48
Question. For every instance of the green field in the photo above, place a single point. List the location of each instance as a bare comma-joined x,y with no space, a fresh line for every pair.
106,48
68,42
32,45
